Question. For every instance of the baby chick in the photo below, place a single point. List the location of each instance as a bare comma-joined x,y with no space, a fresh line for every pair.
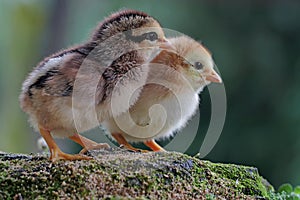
70,91
170,96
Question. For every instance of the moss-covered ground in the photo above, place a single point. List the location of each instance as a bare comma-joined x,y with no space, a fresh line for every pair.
120,174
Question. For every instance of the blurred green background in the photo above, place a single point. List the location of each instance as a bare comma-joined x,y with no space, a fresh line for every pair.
256,45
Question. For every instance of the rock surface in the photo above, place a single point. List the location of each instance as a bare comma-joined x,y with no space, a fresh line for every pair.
120,174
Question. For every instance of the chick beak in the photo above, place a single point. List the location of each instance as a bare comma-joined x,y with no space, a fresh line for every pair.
213,77
165,44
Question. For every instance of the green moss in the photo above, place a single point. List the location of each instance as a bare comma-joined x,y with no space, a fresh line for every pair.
240,179
119,174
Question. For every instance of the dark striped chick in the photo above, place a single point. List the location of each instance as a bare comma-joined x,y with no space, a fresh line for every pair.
75,89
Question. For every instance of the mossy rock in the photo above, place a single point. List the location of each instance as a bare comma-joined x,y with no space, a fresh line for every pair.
120,174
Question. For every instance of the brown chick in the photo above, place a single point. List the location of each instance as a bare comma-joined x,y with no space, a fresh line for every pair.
71,91
170,96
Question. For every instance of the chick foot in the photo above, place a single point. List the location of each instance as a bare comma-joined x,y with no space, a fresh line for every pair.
55,152
59,155
131,148
154,146
87,144
124,144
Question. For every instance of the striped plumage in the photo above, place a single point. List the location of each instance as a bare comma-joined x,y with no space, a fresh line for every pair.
70,91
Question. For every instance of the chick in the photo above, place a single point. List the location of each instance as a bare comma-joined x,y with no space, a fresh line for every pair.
70,91
170,96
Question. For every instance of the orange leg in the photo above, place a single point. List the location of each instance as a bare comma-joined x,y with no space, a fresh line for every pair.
87,144
153,145
55,152
122,141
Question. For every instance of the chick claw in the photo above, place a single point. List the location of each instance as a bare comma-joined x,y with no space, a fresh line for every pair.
64,156
131,148
87,144
94,147
55,152
124,144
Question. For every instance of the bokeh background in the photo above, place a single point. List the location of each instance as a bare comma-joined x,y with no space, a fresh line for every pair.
256,45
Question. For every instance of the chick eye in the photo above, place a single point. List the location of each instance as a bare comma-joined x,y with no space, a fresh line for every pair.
151,36
198,65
